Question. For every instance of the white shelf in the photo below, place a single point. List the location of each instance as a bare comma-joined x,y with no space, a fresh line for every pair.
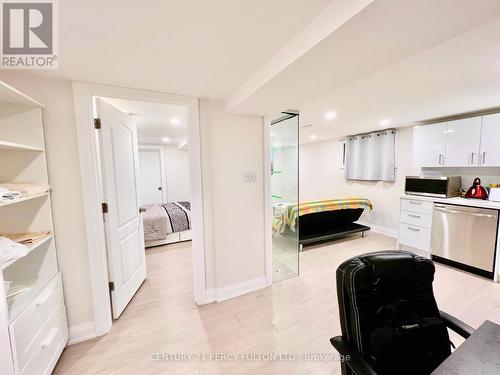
9,94
22,199
4,145
32,247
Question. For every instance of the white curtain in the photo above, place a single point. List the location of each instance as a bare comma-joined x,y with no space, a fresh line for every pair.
370,156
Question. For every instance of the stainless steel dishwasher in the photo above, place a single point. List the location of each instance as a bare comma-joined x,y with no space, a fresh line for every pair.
465,237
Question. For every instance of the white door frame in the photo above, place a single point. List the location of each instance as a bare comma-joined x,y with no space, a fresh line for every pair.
268,206
83,94
161,150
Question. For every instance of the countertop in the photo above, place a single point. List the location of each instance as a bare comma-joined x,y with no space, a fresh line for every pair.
456,200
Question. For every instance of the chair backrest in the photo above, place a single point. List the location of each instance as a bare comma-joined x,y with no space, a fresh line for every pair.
368,283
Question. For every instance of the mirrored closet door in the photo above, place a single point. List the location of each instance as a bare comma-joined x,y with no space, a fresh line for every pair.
284,153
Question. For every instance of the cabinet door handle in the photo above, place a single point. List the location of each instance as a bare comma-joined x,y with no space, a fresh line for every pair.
414,229
471,160
414,216
483,158
441,159
415,202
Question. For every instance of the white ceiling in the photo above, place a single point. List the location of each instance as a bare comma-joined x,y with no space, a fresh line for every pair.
459,76
192,47
366,60
156,121
383,33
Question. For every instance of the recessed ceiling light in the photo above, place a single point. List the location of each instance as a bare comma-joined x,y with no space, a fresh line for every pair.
313,136
330,115
385,122
165,139
175,120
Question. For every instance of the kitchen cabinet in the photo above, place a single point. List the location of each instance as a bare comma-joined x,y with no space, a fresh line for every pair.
415,220
463,138
490,141
429,145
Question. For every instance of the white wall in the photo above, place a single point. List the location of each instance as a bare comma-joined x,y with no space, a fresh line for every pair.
177,173
176,162
234,211
321,177
64,174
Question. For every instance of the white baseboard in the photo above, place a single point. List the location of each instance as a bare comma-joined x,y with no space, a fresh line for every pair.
235,290
81,332
211,296
239,289
379,229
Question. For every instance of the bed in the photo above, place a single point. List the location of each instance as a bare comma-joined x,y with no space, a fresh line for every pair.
167,223
320,221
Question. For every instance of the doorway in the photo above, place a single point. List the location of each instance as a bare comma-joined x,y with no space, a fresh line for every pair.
144,160
84,93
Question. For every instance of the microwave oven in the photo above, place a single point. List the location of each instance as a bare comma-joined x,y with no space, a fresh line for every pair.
430,186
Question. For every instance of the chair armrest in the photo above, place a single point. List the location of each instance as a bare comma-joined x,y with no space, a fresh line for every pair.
456,325
356,362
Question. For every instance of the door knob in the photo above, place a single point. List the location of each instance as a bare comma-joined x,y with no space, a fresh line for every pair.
159,188
142,210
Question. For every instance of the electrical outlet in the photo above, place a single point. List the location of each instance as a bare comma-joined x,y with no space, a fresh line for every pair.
249,177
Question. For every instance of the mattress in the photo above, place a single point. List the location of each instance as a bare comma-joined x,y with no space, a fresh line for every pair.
288,218
160,220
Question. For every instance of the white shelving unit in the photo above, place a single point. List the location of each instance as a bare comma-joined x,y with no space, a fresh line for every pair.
33,330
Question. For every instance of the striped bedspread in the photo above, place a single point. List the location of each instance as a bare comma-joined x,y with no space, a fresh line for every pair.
162,219
288,218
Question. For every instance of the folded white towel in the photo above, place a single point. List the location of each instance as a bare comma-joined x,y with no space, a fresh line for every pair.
10,250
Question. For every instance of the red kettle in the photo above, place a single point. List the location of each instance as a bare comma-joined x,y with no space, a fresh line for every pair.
476,191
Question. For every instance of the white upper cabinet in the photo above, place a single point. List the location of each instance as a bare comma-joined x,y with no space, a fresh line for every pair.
490,141
429,145
462,142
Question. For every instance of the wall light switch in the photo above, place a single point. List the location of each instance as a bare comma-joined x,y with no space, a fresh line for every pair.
249,177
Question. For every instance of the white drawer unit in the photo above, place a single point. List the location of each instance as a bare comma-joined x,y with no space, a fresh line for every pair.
416,206
28,328
48,347
415,221
416,237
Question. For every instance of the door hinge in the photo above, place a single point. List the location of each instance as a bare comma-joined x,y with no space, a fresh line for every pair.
111,286
104,208
97,123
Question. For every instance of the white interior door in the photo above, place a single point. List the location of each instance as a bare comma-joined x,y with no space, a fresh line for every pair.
123,222
151,181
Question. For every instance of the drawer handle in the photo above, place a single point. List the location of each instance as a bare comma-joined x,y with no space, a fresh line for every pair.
50,338
415,202
415,216
414,229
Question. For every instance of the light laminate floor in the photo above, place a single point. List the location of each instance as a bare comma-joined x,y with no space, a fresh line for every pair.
295,316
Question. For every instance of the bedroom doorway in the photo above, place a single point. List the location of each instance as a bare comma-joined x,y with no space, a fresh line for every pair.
284,144
145,172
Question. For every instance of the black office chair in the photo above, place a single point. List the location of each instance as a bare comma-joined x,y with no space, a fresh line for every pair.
366,285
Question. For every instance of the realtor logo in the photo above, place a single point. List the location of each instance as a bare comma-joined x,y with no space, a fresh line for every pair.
28,35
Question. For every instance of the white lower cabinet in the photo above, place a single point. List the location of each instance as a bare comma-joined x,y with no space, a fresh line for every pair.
39,334
415,222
